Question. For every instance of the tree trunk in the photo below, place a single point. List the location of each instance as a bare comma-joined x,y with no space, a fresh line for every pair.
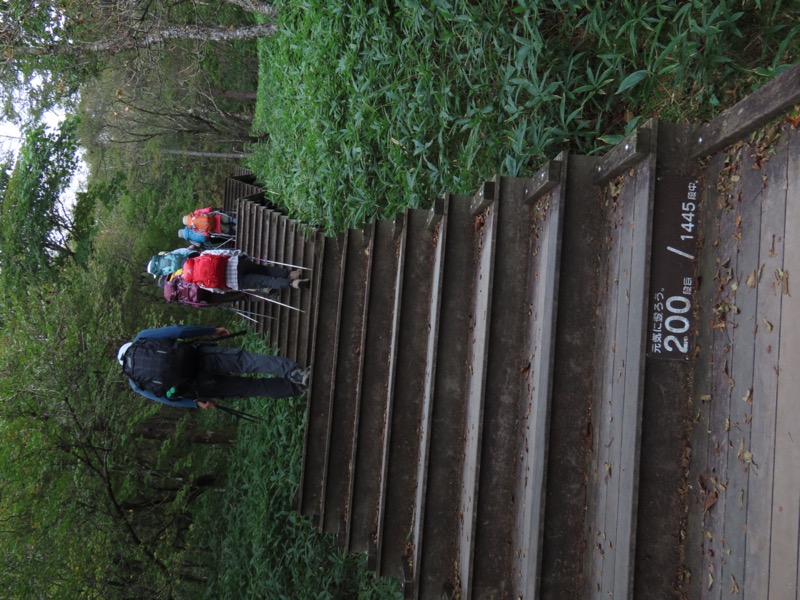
231,95
206,154
158,36
255,6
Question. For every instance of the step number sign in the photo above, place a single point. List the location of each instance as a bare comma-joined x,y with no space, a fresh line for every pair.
672,267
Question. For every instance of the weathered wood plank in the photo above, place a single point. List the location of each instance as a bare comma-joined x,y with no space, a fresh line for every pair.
614,397
573,375
665,410
768,102
372,407
282,312
761,475
296,318
634,377
485,225
376,553
790,318
605,350
344,412
545,179
437,221
323,379
628,152
786,483
714,480
435,543
255,245
406,406
533,439
506,364
704,372
747,210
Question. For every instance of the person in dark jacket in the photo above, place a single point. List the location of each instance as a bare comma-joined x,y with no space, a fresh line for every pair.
215,371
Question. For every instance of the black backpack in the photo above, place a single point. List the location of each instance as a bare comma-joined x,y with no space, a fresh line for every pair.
159,365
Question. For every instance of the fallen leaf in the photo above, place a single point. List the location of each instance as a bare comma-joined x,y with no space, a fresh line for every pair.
768,324
711,500
727,424
752,279
710,579
740,451
748,397
783,278
734,585
705,398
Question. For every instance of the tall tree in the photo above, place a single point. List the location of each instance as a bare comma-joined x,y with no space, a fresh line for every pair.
48,47
35,225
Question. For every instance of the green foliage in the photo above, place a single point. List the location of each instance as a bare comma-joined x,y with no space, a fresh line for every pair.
34,227
374,107
263,548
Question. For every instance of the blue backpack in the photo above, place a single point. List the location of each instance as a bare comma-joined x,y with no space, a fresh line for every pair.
166,263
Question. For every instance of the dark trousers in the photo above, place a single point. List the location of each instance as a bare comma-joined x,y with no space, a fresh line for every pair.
255,276
219,367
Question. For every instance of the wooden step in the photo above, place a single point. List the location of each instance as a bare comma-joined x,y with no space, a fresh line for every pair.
533,439
314,244
485,219
401,447
438,481
378,351
344,410
507,369
619,379
325,350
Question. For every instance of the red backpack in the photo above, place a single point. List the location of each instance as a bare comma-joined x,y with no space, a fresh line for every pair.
206,270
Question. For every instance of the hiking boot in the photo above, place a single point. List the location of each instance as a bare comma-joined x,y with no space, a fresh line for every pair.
301,284
300,377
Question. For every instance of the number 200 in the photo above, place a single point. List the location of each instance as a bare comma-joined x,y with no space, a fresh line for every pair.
676,322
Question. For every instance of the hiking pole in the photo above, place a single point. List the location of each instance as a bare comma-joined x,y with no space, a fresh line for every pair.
239,414
246,313
280,264
246,317
273,301
225,243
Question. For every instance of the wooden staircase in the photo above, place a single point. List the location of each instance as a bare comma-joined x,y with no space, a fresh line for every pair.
499,398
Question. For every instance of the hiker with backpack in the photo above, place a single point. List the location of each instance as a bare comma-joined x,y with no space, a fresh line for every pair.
225,270
209,220
202,239
191,294
166,263
175,366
